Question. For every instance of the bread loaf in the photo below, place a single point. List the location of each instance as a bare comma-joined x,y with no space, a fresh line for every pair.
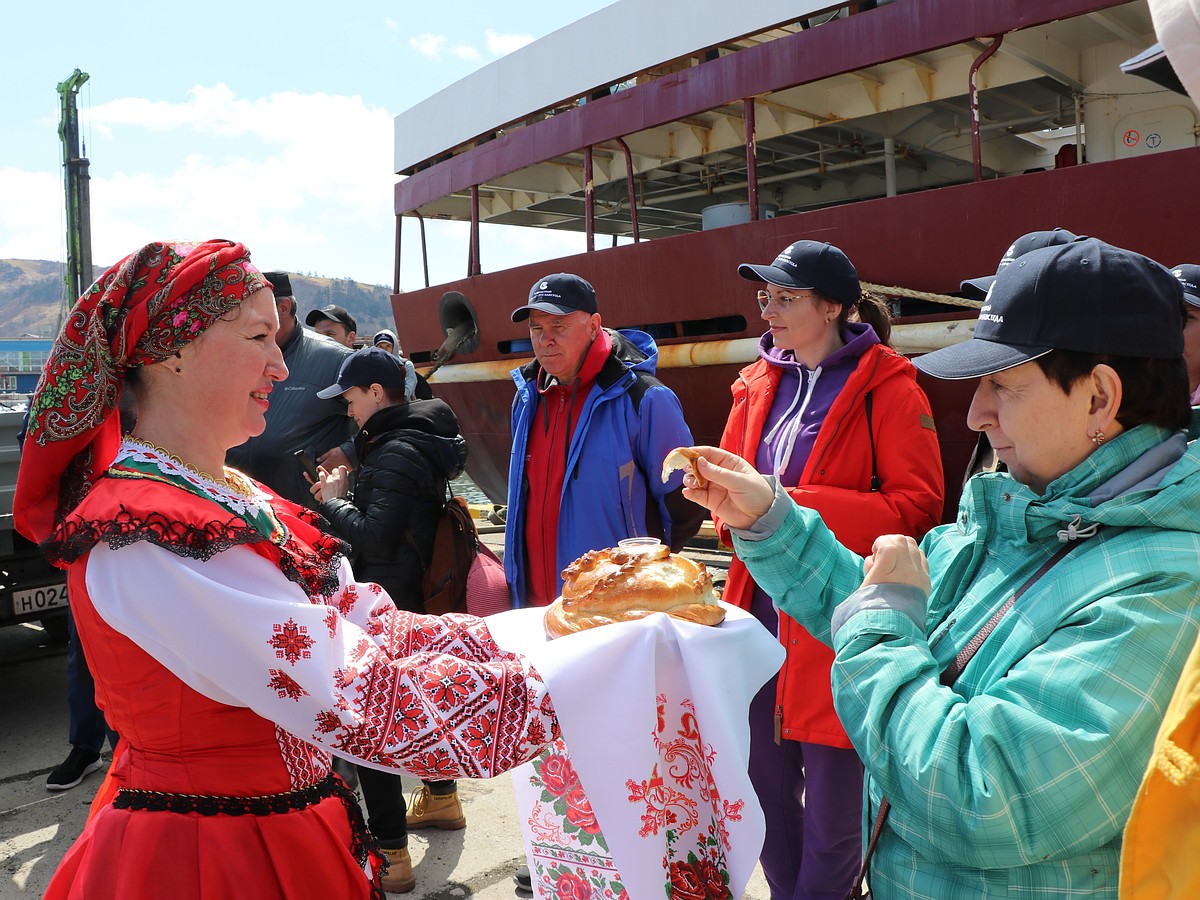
622,584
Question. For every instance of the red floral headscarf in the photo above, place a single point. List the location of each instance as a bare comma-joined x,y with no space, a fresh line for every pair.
139,312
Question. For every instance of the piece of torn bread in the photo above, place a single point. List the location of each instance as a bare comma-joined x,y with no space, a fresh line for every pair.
683,458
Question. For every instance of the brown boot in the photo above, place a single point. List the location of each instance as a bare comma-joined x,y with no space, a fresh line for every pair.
399,878
431,811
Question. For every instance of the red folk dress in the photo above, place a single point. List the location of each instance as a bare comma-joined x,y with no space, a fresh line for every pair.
232,650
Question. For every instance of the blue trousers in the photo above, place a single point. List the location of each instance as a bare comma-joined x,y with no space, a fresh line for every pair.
88,728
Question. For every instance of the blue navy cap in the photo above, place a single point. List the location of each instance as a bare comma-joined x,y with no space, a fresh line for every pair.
558,295
810,266
372,365
1189,276
977,288
1085,296
281,284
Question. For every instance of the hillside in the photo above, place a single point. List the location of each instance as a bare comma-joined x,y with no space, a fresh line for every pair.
31,298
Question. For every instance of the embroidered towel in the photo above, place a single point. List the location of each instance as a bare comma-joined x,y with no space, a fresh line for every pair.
648,787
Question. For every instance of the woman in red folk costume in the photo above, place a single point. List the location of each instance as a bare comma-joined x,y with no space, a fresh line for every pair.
231,647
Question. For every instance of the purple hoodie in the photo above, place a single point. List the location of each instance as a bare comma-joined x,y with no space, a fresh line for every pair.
802,401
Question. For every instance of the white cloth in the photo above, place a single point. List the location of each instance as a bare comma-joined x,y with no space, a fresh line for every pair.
654,714
1177,25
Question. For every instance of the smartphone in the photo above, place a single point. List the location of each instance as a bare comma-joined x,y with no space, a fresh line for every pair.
310,466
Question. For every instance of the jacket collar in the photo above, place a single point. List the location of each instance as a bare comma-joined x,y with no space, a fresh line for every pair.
1127,482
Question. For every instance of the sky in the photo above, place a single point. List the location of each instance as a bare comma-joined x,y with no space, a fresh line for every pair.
265,122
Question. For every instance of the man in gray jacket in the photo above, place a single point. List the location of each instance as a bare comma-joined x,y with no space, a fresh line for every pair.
297,418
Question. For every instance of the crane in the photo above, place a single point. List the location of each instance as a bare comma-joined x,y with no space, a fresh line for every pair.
78,276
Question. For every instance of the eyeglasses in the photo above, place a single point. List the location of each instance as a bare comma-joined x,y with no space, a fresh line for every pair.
765,298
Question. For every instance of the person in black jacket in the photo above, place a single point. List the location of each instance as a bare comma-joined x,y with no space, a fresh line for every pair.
407,449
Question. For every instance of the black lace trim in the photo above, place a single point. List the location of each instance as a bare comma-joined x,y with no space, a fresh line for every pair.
363,844
316,573
75,537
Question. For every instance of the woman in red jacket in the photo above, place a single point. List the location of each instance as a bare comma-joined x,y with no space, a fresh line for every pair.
833,411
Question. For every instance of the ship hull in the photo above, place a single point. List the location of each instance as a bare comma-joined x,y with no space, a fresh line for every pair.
927,241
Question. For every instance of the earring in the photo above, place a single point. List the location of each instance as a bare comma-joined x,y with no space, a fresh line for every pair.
1098,437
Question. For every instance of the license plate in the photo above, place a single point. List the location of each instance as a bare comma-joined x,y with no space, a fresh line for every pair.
39,599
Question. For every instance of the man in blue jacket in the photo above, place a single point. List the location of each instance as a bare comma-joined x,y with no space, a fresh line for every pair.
591,426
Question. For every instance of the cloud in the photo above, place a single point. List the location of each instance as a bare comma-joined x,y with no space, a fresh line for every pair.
32,220
434,45
428,44
305,180
500,44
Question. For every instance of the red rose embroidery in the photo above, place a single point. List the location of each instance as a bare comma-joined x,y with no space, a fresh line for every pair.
579,811
686,882
558,775
571,887
714,880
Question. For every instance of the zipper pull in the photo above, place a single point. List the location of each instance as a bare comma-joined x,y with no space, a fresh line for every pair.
778,723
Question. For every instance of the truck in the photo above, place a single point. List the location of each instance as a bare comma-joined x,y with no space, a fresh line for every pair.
31,590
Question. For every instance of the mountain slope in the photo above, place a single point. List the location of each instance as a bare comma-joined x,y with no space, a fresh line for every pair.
31,298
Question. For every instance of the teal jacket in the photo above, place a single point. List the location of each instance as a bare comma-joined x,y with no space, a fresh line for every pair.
1018,779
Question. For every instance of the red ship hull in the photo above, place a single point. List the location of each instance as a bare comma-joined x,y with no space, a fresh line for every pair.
928,240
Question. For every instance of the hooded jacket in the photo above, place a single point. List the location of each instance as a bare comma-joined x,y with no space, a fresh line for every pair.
612,489
422,391
1018,778
836,482
408,451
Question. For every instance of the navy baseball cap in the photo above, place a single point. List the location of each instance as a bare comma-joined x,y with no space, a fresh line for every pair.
333,313
372,365
1086,296
559,295
810,266
977,288
1189,276
281,285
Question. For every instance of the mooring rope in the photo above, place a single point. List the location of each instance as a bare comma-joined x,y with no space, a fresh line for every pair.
894,291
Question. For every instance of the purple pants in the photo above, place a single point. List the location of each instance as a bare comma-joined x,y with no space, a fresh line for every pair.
811,795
